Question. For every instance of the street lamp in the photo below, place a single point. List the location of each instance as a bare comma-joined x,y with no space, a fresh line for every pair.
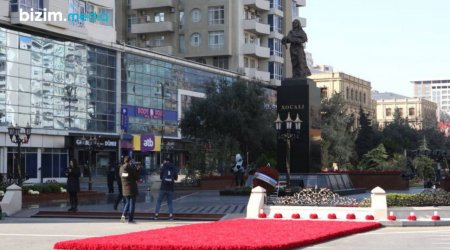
288,135
14,135
92,142
162,123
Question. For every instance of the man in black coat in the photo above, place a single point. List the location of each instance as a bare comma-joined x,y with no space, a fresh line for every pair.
168,177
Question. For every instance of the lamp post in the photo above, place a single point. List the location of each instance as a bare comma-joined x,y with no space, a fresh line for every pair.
288,134
14,135
162,123
92,142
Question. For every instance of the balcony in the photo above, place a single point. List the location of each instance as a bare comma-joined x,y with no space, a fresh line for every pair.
150,4
300,3
142,28
255,50
167,50
256,74
256,26
259,4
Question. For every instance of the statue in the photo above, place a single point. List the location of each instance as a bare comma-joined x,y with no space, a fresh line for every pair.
297,37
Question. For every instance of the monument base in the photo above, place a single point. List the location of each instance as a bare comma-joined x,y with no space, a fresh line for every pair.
300,97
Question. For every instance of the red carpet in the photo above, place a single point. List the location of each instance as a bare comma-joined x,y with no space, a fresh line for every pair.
231,234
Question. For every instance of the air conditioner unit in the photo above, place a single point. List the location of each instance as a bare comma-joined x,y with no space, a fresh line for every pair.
148,18
148,43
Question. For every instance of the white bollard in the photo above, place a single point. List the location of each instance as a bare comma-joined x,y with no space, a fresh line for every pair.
256,202
379,204
12,201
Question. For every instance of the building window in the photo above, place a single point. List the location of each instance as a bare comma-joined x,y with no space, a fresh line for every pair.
216,15
220,62
294,9
181,44
276,48
276,23
196,40
196,15
276,4
351,94
216,40
26,6
159,17
323,93
181,25
364,98
412,112
276,70
388,112
347,94
400,111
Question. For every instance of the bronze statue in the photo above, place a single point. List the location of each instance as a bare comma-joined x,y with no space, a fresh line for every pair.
297,37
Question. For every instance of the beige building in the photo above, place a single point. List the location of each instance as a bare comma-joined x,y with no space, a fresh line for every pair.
357,92
240,35
420,112
86,20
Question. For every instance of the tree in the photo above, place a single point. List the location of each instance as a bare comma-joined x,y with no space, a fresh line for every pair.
368,137
375,158
424,167
398,135
231,117
338,140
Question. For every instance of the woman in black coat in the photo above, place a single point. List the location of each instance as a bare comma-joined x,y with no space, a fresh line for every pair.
73,174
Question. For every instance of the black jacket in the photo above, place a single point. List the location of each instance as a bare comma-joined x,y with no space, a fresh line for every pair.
168,177
73,179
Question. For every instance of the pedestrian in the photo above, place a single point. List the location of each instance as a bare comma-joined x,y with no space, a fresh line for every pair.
73,174
110,175
129,176
168,176
120,196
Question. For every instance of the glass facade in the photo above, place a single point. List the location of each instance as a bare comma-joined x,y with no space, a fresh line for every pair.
45,81
151,85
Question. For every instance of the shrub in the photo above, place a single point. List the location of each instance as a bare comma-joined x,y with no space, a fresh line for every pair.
426,198
44,188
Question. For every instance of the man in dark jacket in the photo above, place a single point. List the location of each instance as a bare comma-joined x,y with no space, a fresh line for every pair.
168,177
129,176
73,174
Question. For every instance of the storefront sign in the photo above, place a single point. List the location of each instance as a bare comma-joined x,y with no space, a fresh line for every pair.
107,143
147,142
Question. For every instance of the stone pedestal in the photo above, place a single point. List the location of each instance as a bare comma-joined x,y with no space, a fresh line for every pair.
303,97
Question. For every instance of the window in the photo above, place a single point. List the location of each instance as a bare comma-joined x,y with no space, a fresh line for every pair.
181,43
276,4
276,48
159,17
196,15
400,111
216,15
276,23
181,25
36,5
216,40
364,97
323,93
276,70
412,112
388,112
347,94
196,40
220,62
294,9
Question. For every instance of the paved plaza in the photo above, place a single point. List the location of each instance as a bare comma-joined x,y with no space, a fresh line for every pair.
22,231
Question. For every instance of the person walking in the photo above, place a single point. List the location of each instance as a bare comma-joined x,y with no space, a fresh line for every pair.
129,176
73,174
168,176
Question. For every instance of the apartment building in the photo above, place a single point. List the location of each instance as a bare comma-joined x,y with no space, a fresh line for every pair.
356,91
240,35
437,91
419,112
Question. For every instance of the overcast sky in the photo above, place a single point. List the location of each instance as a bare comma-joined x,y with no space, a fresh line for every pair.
386,42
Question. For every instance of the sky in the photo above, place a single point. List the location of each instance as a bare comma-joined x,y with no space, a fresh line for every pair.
386,42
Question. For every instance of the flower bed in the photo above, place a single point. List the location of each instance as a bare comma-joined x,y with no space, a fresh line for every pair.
217,182
43,198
